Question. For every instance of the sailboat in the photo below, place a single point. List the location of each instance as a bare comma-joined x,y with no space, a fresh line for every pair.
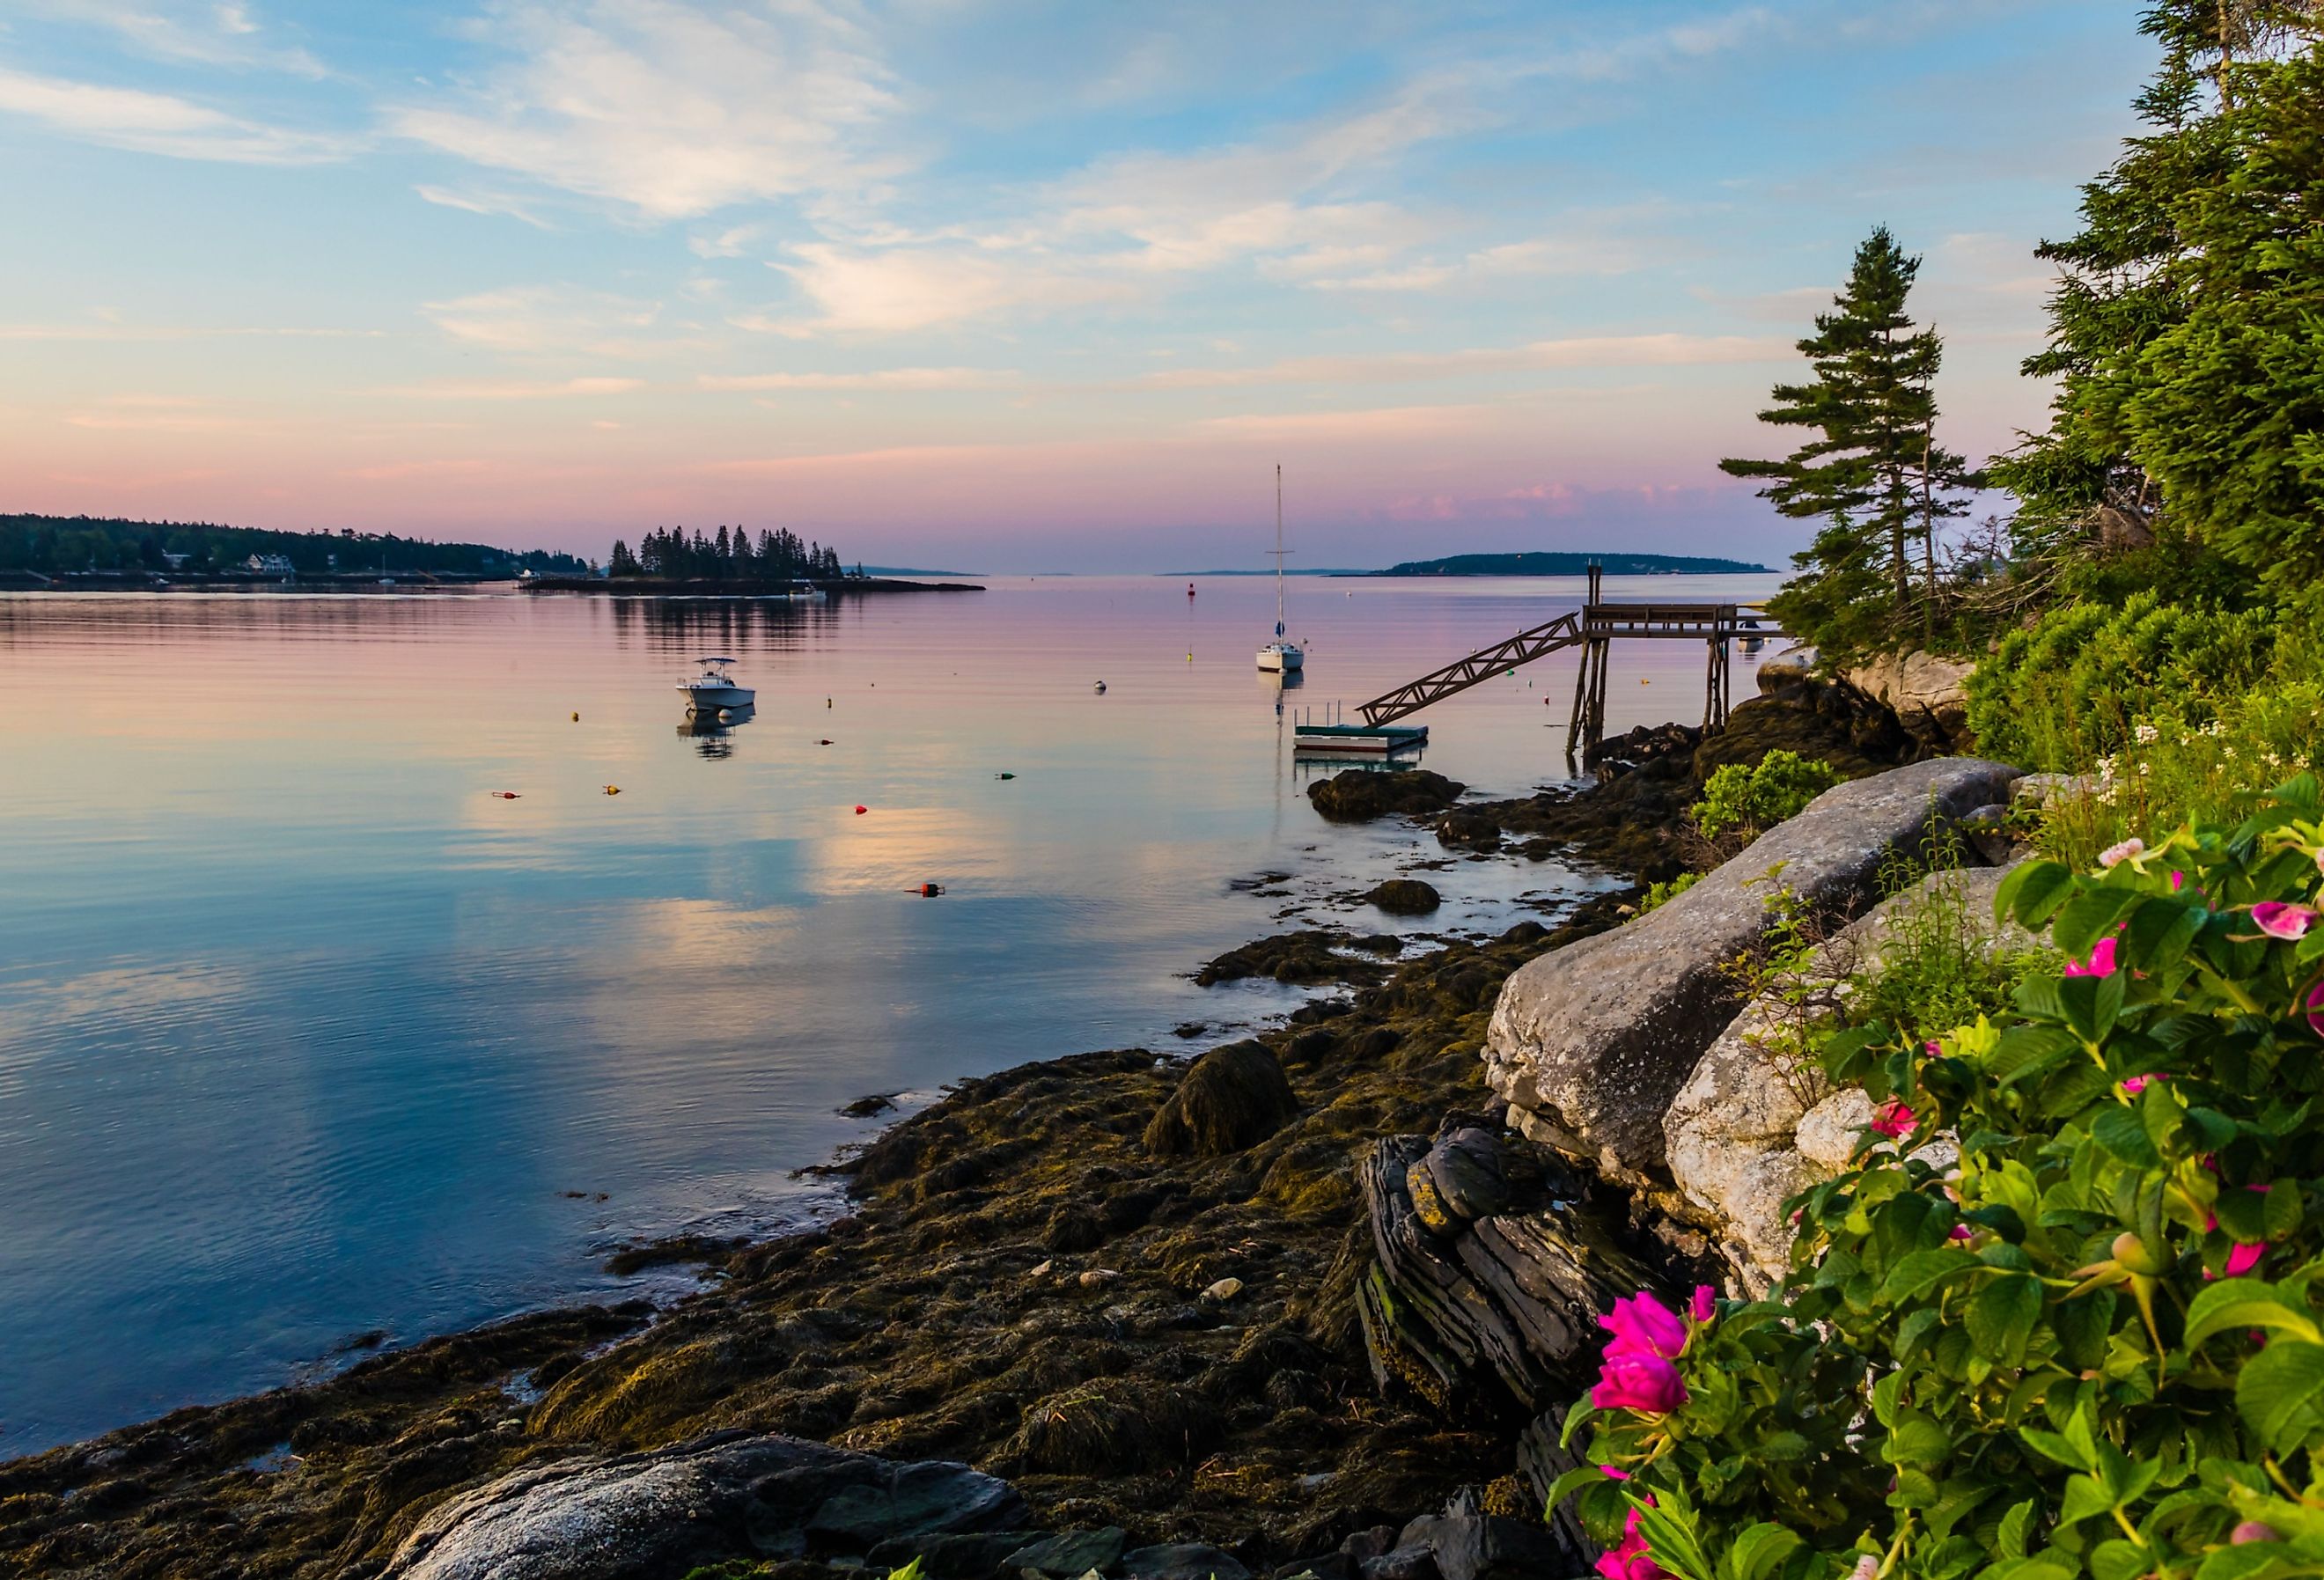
1282,656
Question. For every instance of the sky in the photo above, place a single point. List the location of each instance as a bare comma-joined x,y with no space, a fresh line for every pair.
1005,284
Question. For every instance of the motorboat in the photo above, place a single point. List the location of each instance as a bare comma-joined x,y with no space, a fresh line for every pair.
1282,656
714,688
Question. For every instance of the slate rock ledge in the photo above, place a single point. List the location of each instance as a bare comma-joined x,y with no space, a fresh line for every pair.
1591,1044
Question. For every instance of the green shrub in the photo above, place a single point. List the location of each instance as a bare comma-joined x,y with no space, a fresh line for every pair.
2095,1344
2068,690
2175,768
1751,801
1666,890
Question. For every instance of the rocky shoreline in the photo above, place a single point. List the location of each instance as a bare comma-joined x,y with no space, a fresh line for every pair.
1141,1292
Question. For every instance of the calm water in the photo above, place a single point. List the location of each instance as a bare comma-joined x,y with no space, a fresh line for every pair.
304,1033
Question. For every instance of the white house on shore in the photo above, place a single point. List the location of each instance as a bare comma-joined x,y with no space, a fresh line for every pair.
270,564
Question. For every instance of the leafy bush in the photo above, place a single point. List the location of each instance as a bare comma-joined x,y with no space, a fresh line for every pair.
1667,890
1751,801
2174,770
2092,1345
2069,689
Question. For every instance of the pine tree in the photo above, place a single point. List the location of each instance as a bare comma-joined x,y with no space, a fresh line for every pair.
1872,469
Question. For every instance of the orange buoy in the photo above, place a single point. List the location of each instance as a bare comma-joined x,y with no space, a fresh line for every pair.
930,891
504,795
861,810
612,790
577,718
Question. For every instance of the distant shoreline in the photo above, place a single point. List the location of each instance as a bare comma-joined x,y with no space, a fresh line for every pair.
1575,564
635,587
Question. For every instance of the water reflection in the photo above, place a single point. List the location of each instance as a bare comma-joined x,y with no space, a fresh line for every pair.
713,732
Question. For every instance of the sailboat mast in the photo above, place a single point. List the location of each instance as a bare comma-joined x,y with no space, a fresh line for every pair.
1278,550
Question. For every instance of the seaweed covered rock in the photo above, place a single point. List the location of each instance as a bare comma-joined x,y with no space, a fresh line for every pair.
1232,1098
1405,896
1304,957
729,1495
1361,794
1590,1046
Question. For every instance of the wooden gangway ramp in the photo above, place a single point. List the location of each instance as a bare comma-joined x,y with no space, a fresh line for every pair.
1593,628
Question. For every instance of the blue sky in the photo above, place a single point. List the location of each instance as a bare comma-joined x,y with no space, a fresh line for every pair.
1002,284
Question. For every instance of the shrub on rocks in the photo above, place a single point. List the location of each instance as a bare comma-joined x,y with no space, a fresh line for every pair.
2096,1344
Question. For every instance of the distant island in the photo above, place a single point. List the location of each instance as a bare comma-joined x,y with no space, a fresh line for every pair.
109,548
1563,564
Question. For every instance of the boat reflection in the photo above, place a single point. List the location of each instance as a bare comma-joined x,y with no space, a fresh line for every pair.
712,734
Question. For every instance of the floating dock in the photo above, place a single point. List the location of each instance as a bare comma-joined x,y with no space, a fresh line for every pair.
1369,740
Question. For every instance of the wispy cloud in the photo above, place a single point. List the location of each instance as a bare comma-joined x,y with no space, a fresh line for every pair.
885,378
157,123
123,331
669,109
204,32
487,203
547,319
1663,350
548,389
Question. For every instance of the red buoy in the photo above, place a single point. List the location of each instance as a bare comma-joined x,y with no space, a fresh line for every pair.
930,891
861,810
504,795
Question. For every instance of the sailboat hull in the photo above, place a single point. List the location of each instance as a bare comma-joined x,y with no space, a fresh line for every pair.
1280,658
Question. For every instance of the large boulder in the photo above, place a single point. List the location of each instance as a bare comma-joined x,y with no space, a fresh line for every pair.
726,1496
1589,1043
1231,1098
1928,693
1361,794
1404,896
1756,1123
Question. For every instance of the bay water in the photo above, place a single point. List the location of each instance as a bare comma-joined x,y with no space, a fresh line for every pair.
309,1037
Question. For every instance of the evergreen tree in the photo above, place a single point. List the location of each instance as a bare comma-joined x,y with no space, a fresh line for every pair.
622,562
1872,469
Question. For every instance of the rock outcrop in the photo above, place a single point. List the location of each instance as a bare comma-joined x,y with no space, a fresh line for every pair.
1361,794
1928,693
1231,1098
1755,1124
1590,1045
729,1495
1488,1272
1404,896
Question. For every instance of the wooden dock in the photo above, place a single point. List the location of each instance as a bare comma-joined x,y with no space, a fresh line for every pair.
1593,628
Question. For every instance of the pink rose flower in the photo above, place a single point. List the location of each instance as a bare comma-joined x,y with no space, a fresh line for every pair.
1615,1472
1705,1303
1643,1325
1893,1120
2100,964
1630,1561
2125,851
2178,881
1960,1231
2315,1007
2281,919
2133,1085
1648,1384
2252,1530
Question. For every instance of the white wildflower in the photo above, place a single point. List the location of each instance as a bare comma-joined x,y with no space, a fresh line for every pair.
2145,734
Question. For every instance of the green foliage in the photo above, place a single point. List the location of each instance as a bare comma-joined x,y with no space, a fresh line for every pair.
1871,469
2070,688
779,555
2093,1345
1751,801
1668,890
2178,768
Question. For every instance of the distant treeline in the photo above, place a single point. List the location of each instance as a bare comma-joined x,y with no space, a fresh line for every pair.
1548,564
777,555
55,545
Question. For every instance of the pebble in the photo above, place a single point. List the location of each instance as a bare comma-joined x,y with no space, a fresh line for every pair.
1097,1277
1042,1271
1224,1290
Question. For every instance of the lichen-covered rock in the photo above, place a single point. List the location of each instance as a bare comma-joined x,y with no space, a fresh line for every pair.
1405,896
1361,794
1928,693
729,1495
1756,1123
1590,1044
1231,1098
